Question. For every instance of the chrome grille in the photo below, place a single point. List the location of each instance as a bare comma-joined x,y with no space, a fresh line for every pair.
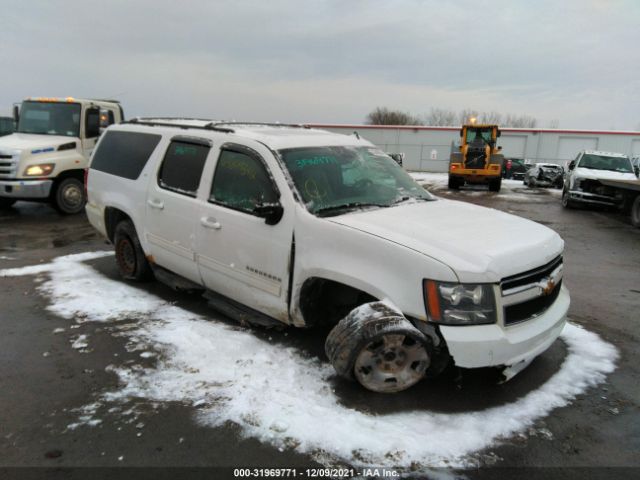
8,164
529,294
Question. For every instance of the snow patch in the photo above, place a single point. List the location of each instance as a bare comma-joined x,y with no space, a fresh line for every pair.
280,396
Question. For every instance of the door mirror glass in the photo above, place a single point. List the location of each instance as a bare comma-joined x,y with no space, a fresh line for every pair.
92,123
572,164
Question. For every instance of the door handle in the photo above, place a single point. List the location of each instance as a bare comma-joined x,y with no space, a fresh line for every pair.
209,222
155,204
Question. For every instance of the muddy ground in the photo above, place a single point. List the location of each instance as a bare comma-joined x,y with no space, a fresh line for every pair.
43,379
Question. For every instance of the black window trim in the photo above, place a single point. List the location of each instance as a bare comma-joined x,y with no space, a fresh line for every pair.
202,142
243,149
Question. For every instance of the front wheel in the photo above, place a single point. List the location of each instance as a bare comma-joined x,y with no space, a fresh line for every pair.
635,212
379,348
68,196
6,203
532,182
130,258
566,200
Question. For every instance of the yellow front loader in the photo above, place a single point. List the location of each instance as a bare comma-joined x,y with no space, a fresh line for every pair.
478,160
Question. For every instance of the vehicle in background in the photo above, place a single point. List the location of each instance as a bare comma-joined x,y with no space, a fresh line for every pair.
544,175
7,126
290,225
479,160
635,161
517,170
582,183
397,157
45,159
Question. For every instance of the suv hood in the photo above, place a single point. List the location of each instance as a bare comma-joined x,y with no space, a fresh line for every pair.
30,141
603,174
480,244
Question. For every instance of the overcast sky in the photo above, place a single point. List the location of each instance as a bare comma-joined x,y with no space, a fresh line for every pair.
330,61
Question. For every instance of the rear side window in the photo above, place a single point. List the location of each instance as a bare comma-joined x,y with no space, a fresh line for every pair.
182,167
124,153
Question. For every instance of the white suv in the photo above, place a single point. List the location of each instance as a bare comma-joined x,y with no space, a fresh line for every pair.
290,225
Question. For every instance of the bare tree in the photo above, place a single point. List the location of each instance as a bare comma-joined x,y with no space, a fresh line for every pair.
466,115
439,117
385,116
555,123
490,117
519,121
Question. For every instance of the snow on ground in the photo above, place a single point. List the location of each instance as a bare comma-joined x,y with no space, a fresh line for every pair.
512,190
277,394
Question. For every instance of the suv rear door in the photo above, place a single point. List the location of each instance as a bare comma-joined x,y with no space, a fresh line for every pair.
172,208
239,254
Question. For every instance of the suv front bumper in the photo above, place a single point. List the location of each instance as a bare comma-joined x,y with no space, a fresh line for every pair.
592,198
25,189
496,345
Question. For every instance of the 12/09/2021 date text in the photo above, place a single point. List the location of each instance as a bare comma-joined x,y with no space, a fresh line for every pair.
314,473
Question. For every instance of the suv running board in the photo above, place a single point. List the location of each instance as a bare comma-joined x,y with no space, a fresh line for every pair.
176,282
240,313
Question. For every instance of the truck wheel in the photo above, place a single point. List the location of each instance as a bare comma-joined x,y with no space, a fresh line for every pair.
68,196
494,185
131,260
380,348
6,203
566,201
635,212
454,183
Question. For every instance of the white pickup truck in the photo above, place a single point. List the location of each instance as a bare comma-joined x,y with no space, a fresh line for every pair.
45,159
290,225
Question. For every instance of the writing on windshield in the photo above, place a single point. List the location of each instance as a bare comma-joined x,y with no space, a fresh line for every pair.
332,180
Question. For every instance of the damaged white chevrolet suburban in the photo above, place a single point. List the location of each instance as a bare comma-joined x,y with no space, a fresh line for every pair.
290,225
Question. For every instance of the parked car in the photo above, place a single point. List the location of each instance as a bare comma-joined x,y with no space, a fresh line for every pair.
517,170
582,182
286,225
544,175
7,126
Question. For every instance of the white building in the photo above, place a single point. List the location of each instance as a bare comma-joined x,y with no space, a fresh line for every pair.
428,148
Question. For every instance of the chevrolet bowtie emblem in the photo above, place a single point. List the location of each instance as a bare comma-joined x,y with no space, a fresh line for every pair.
548,287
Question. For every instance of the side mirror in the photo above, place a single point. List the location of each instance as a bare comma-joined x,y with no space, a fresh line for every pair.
16,114
92,123
572,164
461,132
637,170
498,134
271,212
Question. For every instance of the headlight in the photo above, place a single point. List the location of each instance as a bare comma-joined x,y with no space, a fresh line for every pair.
39,170
460,303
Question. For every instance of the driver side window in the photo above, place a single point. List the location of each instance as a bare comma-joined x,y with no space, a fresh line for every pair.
241,182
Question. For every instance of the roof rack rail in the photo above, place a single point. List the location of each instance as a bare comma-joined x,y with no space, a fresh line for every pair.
104,100
265,124
151,122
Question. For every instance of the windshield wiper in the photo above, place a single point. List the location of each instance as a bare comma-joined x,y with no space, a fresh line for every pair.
346,206
409,197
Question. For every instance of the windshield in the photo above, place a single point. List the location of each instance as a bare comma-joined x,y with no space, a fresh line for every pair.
603,162
50,118
333,180
479,134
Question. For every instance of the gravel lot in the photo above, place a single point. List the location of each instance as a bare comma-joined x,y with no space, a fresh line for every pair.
84,388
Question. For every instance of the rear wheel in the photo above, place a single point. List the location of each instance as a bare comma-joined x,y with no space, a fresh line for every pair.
379,348
454,183
6,203
130,258
532,182
68,196
494,185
